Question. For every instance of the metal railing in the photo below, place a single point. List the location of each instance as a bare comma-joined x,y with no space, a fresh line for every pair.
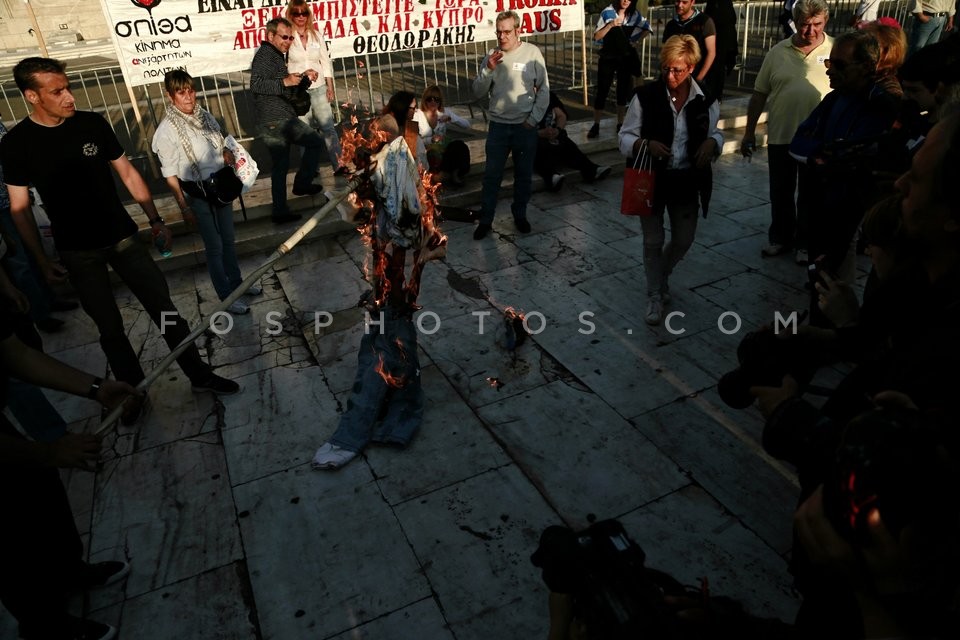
364,84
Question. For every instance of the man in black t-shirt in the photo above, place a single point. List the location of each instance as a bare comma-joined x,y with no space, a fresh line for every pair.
68,156
689,20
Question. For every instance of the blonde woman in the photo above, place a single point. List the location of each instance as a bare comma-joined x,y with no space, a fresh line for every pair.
309,51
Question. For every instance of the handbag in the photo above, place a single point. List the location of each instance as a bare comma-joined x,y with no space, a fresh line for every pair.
638,186
299,99
244,166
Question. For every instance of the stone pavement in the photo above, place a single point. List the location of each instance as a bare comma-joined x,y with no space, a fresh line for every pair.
231,535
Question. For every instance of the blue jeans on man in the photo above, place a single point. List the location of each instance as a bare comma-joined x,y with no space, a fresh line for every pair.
502,141
322,115
278,136
924,33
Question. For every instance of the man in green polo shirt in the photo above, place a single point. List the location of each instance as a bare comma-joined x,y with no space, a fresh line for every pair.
792,81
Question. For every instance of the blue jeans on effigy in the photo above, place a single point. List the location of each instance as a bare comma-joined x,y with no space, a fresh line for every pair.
502,140
216,230
321,114
400,410
278,136
924,33
22,270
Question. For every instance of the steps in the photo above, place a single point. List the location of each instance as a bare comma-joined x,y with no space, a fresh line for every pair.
258,234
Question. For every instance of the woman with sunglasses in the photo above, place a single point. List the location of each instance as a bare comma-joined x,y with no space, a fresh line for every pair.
673,121
309,51
451,157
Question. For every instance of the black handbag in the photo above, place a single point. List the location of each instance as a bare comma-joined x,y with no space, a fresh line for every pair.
223,187
299,98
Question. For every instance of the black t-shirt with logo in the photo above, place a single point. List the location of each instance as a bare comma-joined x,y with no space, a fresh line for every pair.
70,167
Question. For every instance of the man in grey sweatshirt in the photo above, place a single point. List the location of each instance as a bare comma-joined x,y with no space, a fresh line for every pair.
515,77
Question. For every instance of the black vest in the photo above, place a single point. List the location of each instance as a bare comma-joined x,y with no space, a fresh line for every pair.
658,125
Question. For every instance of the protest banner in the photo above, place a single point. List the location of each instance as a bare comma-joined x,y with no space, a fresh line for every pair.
207,37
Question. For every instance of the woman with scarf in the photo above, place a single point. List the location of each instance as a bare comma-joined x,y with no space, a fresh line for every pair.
190,146
309,51
673,121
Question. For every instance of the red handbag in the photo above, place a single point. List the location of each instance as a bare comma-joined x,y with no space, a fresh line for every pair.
638,184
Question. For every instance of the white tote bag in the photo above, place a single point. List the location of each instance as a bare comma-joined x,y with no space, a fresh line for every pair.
244,165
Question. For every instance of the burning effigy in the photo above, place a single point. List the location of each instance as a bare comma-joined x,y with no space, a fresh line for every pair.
395,206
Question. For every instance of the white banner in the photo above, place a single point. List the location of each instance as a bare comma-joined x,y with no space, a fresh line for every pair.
218,36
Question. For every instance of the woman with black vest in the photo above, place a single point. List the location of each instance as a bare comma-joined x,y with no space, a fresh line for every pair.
672,121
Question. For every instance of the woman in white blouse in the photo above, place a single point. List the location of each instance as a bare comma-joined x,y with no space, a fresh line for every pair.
189,143
307,51
451,157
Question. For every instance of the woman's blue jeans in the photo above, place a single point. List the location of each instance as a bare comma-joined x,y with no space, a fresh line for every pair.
216,229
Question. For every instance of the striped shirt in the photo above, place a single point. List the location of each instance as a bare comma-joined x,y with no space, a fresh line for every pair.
267,71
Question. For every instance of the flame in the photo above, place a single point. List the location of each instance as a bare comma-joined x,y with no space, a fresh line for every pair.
495,383
397,382
512,314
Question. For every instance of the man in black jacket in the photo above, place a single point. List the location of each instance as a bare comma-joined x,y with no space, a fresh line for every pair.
272,85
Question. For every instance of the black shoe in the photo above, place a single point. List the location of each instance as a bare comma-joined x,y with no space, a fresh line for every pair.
216,384
522,225
50,324
594,130
62,304
307,190
100,574
481,231
285,217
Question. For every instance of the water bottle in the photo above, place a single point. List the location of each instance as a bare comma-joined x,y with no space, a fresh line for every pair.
159,241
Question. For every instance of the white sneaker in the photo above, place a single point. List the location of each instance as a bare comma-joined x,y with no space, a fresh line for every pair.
238,308
773,249
330,456
802,257
254,290
601,173
654,312
556,181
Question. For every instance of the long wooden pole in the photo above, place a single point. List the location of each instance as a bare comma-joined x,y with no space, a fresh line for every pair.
36,29
278,253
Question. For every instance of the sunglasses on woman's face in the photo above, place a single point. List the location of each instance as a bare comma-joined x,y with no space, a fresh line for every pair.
299,14
432,99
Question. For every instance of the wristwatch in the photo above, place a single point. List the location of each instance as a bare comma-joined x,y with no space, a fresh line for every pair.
156,220
94,388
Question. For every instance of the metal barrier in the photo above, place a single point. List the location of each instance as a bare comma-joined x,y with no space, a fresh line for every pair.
364,84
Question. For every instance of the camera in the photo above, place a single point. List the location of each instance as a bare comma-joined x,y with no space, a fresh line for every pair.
764,360
614,595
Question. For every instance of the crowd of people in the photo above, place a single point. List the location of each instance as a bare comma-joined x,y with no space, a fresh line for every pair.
862,139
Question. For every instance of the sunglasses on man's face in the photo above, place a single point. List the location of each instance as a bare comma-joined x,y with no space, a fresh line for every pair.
284,37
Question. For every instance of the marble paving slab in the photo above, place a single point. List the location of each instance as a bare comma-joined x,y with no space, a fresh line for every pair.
716,229
445,293
574,255
557,432
331,285
312,249
348,563
422,620
754,298
169,511
728,464
757,218
78,331
469,257
278,423
690,535
451,445
475,539
215,605
733,196
480,367
602,221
